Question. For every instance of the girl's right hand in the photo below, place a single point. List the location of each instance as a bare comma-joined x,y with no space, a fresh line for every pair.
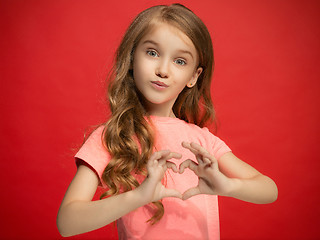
151,188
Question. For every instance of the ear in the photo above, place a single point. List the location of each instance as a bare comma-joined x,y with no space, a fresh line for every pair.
194,78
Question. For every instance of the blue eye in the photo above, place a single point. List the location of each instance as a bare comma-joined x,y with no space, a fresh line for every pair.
152,53
180,62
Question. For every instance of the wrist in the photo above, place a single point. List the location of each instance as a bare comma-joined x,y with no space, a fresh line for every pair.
234,186
143,192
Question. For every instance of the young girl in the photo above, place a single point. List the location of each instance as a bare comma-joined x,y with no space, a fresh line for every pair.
161,167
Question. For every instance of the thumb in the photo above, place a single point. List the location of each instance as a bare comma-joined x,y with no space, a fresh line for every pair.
190,193
172,193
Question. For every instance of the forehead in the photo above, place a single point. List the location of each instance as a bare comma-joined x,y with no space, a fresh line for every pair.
168,36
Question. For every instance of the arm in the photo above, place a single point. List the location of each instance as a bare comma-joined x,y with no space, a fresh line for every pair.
229,177
247,183
78,214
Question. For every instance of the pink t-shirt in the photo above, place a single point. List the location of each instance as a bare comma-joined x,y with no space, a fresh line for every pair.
195,218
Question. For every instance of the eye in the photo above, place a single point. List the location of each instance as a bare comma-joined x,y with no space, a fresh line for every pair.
180,62
152,53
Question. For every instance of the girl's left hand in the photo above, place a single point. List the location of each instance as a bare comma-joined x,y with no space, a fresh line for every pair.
211,180
152,189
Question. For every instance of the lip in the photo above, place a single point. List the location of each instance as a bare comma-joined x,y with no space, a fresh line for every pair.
159,84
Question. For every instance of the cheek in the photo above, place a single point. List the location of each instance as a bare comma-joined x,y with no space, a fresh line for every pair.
140,66
136,76
185,76
136,70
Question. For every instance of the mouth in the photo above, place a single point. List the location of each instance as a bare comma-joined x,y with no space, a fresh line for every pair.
159,84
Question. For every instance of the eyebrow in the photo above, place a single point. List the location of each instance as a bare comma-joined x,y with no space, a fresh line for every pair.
150,41
157,44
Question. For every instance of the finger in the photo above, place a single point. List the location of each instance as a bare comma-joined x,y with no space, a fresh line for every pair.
175,155
172,166
190,193
194,151
210,157
172,193
163,155
194,147
187,145
164,159
153,160
207,161
210,161
198,148
188,164
160,154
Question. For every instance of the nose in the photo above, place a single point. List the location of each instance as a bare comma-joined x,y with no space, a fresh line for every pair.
162,70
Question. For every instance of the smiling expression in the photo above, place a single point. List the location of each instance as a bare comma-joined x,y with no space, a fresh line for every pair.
165,62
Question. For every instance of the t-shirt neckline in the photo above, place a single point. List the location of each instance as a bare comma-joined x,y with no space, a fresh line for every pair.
160,119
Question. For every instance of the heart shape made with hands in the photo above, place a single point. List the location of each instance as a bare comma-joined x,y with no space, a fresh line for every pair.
204,186
211,180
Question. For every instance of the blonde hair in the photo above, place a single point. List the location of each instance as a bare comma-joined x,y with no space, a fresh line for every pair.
128,135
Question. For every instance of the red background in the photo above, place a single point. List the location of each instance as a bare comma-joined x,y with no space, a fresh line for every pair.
55,56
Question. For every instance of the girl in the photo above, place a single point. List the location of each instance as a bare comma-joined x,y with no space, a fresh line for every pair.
160,101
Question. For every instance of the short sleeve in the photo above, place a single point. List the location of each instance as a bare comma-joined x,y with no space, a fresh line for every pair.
94,153
216,145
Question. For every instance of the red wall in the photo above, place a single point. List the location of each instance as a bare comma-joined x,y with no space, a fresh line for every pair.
54,59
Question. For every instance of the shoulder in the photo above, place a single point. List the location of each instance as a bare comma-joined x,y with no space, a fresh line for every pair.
93,151
95,142
96,134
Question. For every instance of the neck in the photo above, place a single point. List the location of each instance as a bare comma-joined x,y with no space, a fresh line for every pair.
160,110
162,113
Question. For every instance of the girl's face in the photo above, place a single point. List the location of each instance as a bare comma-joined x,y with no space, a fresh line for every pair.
165,62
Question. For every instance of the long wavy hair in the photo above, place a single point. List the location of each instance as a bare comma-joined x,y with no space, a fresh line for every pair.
128,135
